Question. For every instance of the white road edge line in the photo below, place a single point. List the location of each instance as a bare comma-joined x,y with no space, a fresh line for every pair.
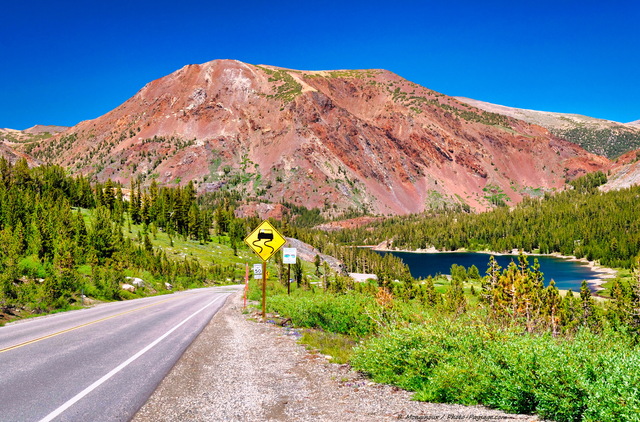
120,367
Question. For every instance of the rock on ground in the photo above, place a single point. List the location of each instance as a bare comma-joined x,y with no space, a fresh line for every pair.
241,370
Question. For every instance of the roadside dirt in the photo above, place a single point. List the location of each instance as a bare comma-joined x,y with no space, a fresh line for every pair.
242,370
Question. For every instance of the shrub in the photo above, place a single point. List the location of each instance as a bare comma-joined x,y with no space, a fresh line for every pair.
345,314
589,377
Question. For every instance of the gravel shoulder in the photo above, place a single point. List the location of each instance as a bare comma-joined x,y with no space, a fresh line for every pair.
241,370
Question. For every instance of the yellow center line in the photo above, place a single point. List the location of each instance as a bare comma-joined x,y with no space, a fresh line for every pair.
6,349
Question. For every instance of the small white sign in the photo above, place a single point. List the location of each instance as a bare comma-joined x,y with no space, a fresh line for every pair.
257,271
289,255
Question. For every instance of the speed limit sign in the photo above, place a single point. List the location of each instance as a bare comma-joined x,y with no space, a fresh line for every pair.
257,271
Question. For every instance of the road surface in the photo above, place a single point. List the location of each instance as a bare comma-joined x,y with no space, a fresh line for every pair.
102,363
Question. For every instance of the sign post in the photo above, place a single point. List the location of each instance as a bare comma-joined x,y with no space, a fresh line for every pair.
289,256
265,241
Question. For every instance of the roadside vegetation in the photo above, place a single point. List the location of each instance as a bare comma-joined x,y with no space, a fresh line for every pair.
500,337
502,340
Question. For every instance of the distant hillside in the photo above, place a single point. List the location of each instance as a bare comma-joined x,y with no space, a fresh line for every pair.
624,172
12,155
44,129
602,137
33,134
15,144
337,140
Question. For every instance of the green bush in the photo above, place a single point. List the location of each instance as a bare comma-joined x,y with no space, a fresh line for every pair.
345,314
126,295
469,360
32,267
590,377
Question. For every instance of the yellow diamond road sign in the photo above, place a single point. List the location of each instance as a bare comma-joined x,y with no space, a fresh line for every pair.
265,240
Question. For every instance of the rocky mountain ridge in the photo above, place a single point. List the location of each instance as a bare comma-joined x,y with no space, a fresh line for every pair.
603,137
364,139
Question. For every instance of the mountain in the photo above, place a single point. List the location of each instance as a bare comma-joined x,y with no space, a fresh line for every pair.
12,155
363,139
45,129
602,137
624,172
32,134
15,144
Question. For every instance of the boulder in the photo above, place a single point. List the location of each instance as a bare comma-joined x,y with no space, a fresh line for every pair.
138,282
128,287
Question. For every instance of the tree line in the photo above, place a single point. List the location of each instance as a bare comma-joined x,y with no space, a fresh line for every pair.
63,237
581,221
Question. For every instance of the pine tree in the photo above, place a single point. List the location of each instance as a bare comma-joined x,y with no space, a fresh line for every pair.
9,256
297,272
473,273
552,303
429,295
454,297
101,235
490,286
634,305
569,312
588,318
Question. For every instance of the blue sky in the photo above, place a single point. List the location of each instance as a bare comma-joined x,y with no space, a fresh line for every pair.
62,62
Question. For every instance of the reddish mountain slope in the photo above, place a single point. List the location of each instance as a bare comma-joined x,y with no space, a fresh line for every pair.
333,139
624,172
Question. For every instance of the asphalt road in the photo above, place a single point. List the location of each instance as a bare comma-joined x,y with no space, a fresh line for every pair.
102,363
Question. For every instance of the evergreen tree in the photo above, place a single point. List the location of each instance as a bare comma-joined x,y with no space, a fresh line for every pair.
490,287
454,298
102,235
588,318
473,273
552,303
297,272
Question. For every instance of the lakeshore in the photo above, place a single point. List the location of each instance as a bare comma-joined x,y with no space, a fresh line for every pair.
602,274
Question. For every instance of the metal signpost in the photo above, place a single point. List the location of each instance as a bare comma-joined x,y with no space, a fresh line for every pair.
265,241
289,256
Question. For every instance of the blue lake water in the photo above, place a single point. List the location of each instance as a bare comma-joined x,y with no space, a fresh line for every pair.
566,274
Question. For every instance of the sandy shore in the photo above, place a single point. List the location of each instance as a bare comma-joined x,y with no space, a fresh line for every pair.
604,274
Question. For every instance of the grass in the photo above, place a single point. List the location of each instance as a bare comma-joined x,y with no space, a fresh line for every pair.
624,276
288,87
218,250
338,346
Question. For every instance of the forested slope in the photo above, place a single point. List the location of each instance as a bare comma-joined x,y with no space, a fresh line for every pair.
61,238
582,221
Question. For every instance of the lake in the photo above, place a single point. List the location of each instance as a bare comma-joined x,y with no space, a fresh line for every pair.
567,274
